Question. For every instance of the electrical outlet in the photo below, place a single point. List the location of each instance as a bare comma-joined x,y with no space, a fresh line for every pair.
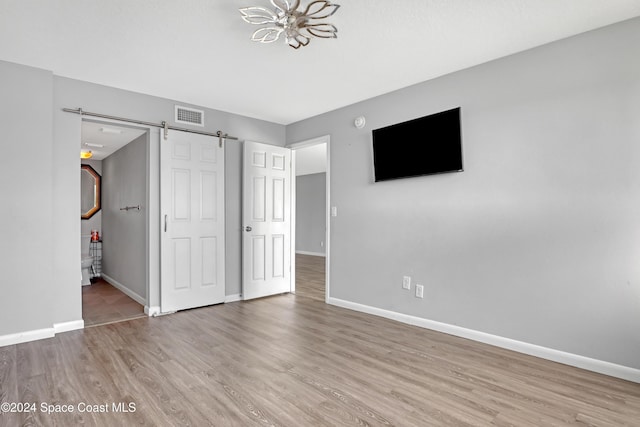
419,291
406,282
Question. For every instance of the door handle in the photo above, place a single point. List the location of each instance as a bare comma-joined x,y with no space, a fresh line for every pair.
165,223
248,228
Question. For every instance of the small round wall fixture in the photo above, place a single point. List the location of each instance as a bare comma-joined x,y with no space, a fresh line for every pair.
359,122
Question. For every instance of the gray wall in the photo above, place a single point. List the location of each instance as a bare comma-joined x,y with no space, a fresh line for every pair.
311,212
44,206
26,190
102,99
539,239
124,233
233,219
96,98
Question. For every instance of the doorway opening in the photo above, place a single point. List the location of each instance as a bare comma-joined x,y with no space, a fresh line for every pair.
311,213
115,238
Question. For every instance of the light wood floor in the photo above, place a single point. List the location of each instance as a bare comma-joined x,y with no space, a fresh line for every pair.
310,272
295,361
102,303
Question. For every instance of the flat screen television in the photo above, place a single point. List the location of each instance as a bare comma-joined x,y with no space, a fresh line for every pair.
425,146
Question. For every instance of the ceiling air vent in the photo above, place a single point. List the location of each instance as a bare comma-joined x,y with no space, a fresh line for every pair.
189,116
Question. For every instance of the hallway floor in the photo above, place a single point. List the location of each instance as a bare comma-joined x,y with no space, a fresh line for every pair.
310,276
103,303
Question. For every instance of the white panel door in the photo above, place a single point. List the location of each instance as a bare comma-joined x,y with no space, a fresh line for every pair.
192,208
266,213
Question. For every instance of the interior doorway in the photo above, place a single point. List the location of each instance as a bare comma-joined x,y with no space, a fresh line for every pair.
115,237
311,206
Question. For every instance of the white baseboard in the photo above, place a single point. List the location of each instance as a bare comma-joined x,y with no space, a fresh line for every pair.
20,337
152,311
137,298
233,298
39,334
155,310
311,253
68,326
595,365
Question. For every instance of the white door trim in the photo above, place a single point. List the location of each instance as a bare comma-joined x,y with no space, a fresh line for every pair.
292,263
325,139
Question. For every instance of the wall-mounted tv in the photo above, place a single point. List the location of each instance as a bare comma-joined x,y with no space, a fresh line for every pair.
425,146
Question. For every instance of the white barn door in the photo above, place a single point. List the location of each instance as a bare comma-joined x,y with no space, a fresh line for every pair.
193,226
266,213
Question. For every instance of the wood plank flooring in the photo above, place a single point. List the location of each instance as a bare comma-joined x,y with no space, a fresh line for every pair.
103,303
310,280
295,361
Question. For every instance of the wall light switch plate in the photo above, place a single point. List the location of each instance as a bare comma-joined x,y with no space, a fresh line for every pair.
334,211
419,291
406,282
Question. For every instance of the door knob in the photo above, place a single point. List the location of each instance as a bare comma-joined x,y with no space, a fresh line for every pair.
248,228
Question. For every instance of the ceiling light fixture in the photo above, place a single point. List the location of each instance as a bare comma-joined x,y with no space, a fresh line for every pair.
86,154
110,130
92,145
298,26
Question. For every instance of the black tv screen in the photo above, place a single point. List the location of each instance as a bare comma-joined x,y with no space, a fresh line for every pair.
425,146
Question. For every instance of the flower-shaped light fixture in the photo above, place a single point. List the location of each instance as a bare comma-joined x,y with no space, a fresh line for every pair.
298,26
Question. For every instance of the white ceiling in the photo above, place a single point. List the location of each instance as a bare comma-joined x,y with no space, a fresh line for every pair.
199,52
103,140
